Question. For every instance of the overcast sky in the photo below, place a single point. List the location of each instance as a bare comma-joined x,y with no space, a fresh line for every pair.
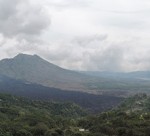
101,35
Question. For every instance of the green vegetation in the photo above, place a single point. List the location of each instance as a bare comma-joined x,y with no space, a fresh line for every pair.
131,118
24,117
117,123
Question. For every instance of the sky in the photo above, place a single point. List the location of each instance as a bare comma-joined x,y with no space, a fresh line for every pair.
93,35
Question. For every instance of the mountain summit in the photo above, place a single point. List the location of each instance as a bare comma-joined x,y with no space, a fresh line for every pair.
33,68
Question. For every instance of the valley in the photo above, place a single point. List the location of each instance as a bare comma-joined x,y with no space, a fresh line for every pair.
38,98
91,102
25,117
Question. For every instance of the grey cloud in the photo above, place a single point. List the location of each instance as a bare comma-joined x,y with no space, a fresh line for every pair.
69,3
86,40
125,23
7,8
104,56
20,17
110,59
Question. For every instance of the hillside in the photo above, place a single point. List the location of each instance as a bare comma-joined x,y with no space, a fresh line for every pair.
125,82
37,70
34,69
143,75
91,102
24,117
138,103
131,118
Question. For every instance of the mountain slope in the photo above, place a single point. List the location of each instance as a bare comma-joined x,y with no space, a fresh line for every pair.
32,68
132,82
139,103
132,118
53,108
90,102
37,70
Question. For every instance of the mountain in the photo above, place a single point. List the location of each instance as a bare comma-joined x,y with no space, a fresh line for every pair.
34,69
90,102
142,75
129,82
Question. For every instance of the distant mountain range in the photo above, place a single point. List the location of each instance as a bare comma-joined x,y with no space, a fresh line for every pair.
143,75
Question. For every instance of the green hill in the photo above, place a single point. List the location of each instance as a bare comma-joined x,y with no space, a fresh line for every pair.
20,116
131,118
139,103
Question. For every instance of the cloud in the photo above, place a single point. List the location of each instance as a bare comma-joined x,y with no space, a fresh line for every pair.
109,59
108,35
20,18
87,40
63,4
92,52
22,24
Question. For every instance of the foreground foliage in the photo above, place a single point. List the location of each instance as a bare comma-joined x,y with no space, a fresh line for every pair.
131,118
23,117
